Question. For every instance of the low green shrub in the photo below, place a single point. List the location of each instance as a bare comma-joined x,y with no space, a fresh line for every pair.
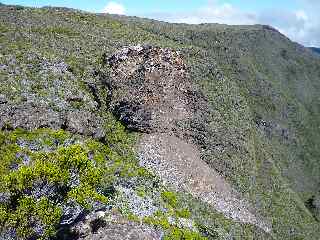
66,167
170,198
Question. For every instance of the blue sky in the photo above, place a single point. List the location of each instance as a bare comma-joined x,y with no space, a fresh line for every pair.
298,19
147,6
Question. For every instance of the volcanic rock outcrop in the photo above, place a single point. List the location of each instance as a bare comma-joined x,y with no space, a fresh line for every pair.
152,92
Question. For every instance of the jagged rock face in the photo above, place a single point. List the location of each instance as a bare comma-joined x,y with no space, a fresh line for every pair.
150,87
151,92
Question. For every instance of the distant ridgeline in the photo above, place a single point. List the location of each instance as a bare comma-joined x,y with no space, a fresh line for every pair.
317,50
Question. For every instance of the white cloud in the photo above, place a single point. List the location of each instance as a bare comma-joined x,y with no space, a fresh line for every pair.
212,13
114,8
301,15
301,25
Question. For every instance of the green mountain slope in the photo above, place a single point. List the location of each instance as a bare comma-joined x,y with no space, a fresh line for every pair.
260,129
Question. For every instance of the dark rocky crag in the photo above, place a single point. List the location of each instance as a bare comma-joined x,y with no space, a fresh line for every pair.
157,97
149,87
190,132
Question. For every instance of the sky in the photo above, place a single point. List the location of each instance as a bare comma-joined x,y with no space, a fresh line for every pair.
297,19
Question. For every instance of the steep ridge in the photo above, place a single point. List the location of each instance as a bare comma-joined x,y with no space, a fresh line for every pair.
241,107
157,97
275,86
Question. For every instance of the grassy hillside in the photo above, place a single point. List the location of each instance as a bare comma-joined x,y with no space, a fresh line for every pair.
261,133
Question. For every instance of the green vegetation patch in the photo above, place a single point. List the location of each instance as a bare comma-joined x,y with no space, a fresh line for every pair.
170,219
3,29
44,170
56,30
